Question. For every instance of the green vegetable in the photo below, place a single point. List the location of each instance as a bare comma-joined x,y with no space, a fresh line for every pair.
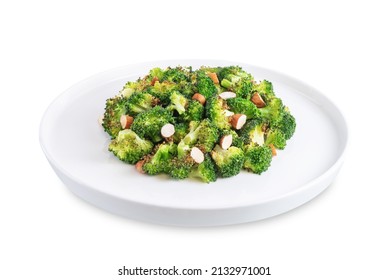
257,159
165,96
140,102
216,111
205,171
243,106
159,161
228,162
148,124
129,147
114,109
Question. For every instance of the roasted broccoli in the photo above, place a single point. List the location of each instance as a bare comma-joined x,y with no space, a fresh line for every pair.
202,135
129,147
253,133
176,75
206,170
163,90
276,137
181,167
273,111
217,112
159,161
228,162
181,129
114,109
178,102
237,80
205,85
133,87
176,121
287,124
148,124
140,102
243,106
265,88
194,112
257,158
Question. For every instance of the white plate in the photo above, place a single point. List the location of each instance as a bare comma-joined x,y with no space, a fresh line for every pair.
76,147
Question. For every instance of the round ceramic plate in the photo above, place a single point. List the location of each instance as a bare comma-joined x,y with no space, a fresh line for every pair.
76,147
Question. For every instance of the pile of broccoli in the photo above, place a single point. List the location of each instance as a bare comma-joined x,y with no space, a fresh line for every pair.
206,123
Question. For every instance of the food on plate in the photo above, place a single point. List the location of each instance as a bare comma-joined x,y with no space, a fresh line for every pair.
206,123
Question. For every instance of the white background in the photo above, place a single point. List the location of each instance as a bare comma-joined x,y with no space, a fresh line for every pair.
338,47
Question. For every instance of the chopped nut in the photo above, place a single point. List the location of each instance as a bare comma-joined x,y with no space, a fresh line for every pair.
154,80
238,121
197,155
167,130
257,100
199,97
273,150
227,95
226,141
214,77
126,121
139,166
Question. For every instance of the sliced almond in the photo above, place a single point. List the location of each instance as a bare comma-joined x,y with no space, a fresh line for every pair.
126,121
257,100
228,113
214,77
238,121
197,155
154,80
227,95
139,166
199,97
101,120
167,130
226,141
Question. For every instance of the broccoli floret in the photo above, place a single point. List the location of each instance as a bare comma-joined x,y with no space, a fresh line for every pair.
163,90
204,136
272,112
181,129
205,85
243,106
276,137
156,73
129,147
177,75
216,70
148,124
180,168
194,112
228,162
265,88
257,158
133,87
237,80
206,170
178,102
207,135
140,102
159,161
188,140
287,124
216,110
252,132
114,109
